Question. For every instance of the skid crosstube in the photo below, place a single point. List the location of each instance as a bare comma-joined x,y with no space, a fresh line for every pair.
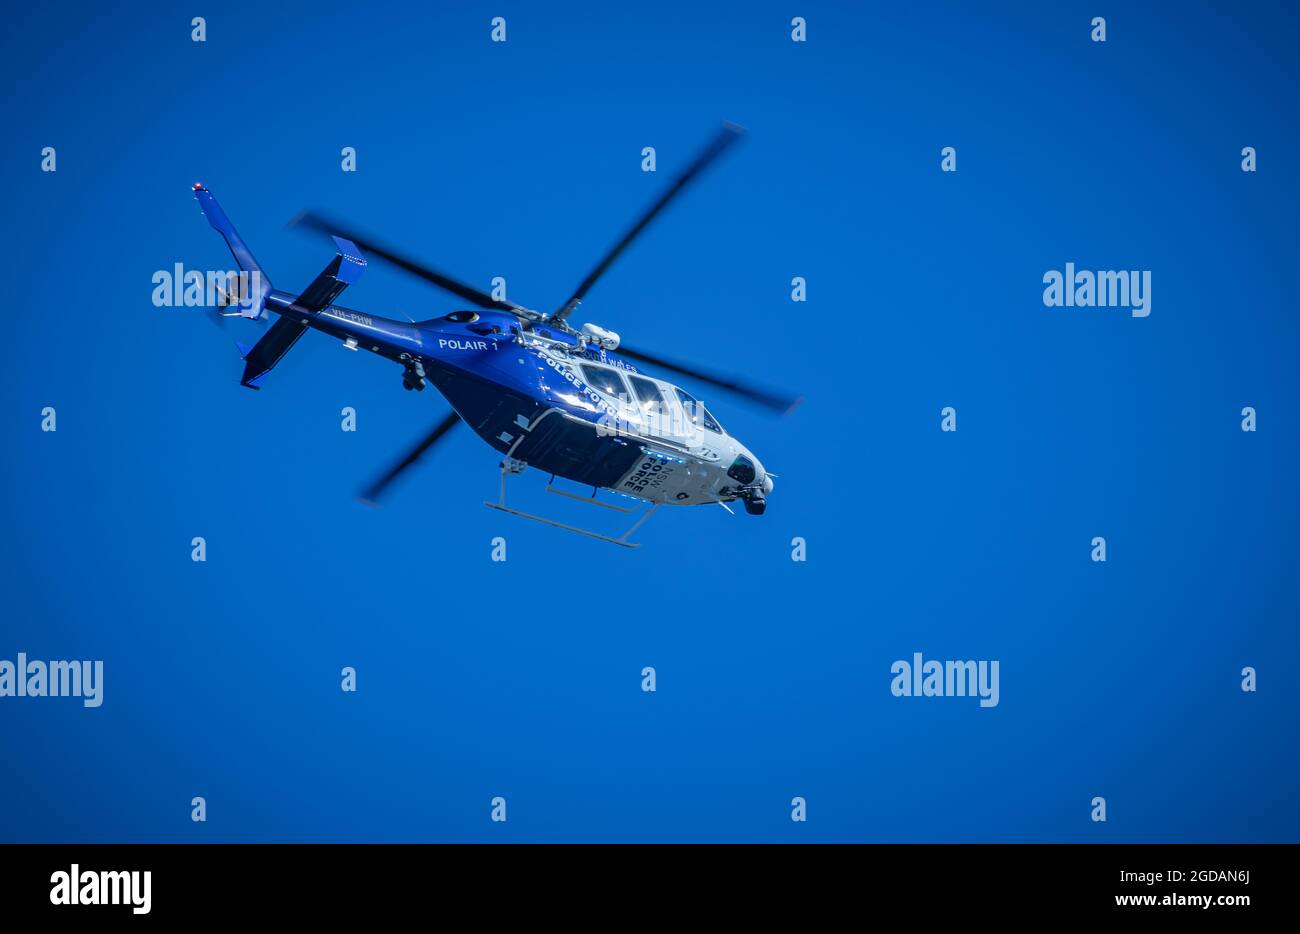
512,466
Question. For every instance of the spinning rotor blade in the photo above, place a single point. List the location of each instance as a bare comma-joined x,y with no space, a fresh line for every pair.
371,495
777,402
369,245
726,136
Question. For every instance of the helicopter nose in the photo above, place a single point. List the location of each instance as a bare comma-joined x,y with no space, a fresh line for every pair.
767,484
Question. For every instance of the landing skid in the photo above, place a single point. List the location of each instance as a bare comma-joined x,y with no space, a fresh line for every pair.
515,467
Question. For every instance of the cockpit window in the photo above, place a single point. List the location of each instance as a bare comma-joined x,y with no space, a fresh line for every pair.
463,317
697,413
657,416
605,381
742,470
648,393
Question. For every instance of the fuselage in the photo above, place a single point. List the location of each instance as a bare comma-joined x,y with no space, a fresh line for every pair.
557,402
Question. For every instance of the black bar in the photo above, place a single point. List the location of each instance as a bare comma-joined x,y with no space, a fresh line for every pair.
212,882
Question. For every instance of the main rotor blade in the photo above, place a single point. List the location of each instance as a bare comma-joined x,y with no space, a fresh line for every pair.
726,136
369,245
769,399
371,495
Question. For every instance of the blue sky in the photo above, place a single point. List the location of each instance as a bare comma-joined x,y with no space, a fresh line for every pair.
522,679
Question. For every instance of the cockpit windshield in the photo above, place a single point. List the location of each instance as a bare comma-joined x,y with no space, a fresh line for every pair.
697,413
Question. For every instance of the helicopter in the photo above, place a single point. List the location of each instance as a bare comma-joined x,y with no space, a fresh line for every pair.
573,402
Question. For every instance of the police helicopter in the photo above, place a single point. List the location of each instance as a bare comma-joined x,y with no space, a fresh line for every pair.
573,402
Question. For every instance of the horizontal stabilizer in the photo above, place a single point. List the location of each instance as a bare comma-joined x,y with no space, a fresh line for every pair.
344,270
266,353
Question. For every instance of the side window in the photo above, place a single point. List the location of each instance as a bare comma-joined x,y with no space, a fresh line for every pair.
659,417
649,394
605,381
697,413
